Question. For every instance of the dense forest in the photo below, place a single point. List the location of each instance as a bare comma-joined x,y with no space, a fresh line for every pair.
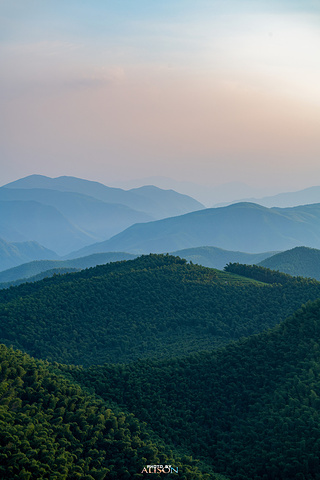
53,429
155,361
262,274
251,409
156,306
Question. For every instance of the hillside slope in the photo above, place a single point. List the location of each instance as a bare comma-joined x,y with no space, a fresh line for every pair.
155,306
53,429
251,409
299,261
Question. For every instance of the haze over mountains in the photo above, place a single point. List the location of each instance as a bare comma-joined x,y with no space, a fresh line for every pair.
22,221
67,213
244,226
141,337
12,254
30,269
209,195
232,192
286,199
155,202
74,218
94,218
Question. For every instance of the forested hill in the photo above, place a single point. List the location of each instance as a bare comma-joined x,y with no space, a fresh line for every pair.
252,409
299,261
212,257
261,274
155,306
52,429
249,410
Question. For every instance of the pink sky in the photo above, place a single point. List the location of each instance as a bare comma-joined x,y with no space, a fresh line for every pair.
211,98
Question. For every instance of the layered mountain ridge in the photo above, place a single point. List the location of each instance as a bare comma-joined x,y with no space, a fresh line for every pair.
247,227
67,213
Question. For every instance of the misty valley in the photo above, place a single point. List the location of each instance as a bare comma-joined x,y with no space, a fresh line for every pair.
145,334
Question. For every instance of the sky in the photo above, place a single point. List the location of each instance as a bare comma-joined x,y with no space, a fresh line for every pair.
199,91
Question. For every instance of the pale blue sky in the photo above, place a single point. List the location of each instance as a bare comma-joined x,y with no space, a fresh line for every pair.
209,91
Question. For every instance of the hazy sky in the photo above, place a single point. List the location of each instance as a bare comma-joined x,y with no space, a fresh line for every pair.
206,91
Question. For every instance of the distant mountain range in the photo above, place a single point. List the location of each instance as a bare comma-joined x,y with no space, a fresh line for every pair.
306,196
153,201
244,226
25,271
77,218
12,254
94,218
209,195
22,221
215,257
67,213
232,192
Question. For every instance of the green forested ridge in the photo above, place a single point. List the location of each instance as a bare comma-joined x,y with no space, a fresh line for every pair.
261,274
300,261
212,257
52,429
251,409
156,306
